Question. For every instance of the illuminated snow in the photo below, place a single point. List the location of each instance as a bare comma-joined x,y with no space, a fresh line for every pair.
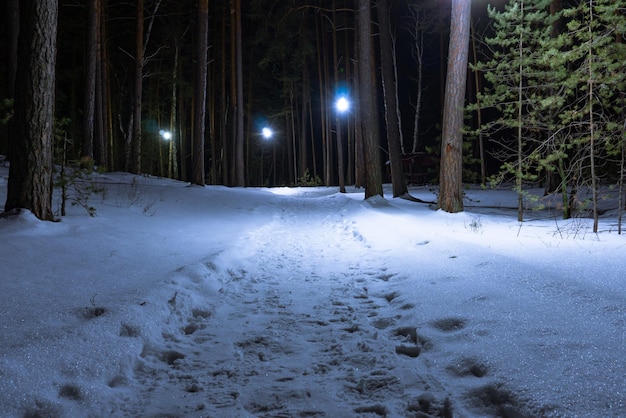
246,302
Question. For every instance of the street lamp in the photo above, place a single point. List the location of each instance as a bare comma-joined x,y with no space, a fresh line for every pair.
342,104
267,132
167,135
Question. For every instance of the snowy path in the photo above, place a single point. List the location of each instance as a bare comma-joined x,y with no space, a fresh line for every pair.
320,343
180,301
322,322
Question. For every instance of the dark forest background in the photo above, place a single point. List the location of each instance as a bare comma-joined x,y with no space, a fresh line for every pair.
297,56
183,89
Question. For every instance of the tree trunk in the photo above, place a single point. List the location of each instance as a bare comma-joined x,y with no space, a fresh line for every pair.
106,90
554,181
479,115
288,145
303,154
12,20
239,107
89,93
450,178
359,158
197,170
340,165
520,107
135,150
30,173
184,150
320,83
350,125
172,161
369,116
326,118
622,174
101,154
417,38
390,94
557,26
592,130
224,103
291,144
211,114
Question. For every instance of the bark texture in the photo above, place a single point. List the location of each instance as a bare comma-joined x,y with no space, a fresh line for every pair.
390,95
367,97
450,177
31,170
200,93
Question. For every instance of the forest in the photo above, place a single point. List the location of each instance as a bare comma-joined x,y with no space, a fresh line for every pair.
244,94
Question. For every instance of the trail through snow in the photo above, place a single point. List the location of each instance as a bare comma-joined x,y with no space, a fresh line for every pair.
179,301
323,321
300,317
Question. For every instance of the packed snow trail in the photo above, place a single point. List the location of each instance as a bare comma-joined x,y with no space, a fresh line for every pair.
296,337
322,319
181,301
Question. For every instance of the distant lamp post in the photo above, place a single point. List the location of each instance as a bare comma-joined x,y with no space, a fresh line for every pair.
167,135
267,132
342,104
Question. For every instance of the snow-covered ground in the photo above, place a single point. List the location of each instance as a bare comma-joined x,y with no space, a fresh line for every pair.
182,301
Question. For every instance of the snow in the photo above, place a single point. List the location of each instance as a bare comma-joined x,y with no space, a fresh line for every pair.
186,301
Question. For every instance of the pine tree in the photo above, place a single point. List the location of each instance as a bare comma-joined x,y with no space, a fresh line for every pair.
30,173
595,88
562,94
367,81
521,87
450,178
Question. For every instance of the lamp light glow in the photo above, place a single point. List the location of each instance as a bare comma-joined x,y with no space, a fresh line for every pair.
267,133
342,104
167,135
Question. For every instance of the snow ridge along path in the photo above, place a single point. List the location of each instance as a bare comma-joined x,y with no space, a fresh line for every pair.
319,324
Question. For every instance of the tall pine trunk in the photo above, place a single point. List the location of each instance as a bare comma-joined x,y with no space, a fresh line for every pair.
417,37
319,38
89,94
197,169
592,128
367,99
450,178
107,107
303,154
340,158
101,155
239,106
172,160
30,173
12,21
390,94
479,115
520,140
134,153
224,103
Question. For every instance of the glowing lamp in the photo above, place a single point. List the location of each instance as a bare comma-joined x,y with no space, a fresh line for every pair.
267,133
342,104
167,135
